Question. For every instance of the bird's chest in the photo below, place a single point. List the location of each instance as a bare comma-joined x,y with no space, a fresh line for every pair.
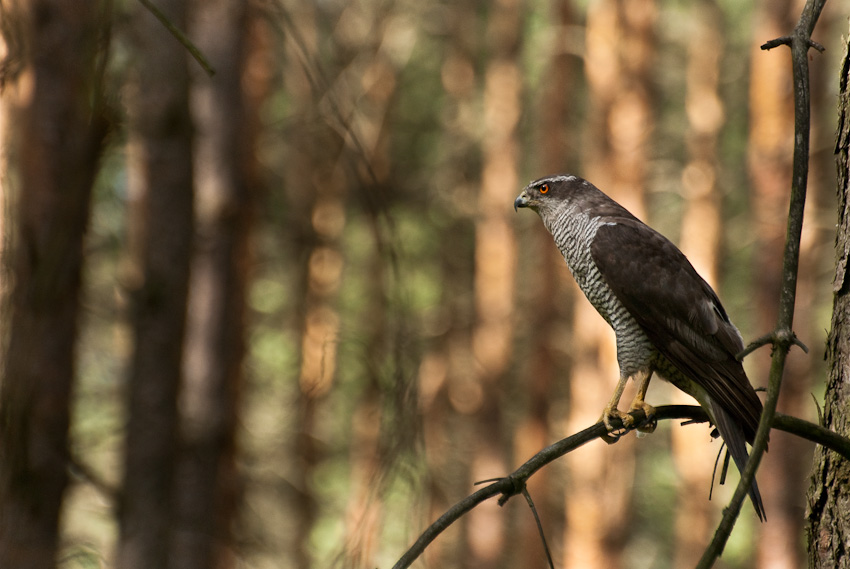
573,236
634,349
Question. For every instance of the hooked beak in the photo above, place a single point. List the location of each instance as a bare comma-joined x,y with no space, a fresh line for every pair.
521,201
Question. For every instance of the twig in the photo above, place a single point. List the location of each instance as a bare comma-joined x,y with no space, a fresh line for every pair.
539,527
812,432
774,338
800,43
514,483
179,36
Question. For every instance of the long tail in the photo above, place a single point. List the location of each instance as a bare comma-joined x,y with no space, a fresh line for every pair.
736,442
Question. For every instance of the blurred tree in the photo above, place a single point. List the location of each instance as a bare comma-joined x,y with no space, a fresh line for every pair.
160,226
495,268
372,150
827,516
380,60
544,295
701,241
620,48
208,491
448,392
60,138
317,186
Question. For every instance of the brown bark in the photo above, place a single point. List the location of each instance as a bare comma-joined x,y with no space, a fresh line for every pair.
827,516
61,134
161,232
208,484
618,64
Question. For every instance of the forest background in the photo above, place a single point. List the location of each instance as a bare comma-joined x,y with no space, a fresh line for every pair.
291,315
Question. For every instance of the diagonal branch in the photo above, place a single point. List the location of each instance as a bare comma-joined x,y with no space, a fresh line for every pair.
514,483
179,36
800,42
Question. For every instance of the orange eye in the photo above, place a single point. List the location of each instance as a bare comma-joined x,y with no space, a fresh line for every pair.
544,188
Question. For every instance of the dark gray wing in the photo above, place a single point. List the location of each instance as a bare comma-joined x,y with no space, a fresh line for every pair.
678,311
684,319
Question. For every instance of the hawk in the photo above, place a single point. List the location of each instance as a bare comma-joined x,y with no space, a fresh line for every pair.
667,320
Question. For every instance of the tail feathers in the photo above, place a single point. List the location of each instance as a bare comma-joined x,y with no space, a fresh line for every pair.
733,436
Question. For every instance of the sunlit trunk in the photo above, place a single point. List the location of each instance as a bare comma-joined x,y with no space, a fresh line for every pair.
701,241
495,265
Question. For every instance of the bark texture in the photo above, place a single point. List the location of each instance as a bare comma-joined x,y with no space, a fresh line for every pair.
827,513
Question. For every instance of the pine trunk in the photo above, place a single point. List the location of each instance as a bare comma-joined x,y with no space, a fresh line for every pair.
701,241
160,241
619,66
208,485
495,265
827,514
60,141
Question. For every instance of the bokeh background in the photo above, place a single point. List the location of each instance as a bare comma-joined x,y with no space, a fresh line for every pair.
395,332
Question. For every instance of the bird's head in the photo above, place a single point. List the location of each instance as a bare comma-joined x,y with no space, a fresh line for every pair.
547,193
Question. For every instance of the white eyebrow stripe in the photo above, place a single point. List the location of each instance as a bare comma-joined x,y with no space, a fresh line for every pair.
553,179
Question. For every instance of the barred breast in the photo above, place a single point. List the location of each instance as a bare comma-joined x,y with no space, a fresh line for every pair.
573,231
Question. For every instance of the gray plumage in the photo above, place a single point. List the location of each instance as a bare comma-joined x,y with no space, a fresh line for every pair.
665,317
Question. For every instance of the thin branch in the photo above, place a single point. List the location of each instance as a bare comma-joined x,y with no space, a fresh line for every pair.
812,432
530,502
515,483
179,36
800,43
774,338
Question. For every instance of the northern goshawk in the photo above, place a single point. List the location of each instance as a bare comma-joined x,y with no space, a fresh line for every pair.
666,318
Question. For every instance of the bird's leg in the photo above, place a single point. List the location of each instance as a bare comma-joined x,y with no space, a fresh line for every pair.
638,402
611,411
642,378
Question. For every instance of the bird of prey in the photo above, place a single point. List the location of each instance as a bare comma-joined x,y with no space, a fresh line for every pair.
666,318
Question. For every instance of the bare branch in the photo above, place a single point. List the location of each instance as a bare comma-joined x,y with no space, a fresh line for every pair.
775,339
514,483
179,36
539,527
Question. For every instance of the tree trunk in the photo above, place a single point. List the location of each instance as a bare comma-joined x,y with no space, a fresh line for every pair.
827,515
495,267
547,300
208,485
60,144
160,240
